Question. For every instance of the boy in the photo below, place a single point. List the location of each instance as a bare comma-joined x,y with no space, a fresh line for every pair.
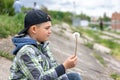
33,60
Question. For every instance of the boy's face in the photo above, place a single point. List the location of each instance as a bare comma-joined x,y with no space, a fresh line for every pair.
43,31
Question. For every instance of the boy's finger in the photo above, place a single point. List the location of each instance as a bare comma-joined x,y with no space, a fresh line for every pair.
73,56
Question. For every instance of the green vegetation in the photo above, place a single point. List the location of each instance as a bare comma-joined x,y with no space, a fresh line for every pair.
6,55
100,59
10,25
55,21
90,45
6,7
84,17
105,17
61,16
115,76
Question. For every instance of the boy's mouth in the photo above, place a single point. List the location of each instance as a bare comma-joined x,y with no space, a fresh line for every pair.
48,35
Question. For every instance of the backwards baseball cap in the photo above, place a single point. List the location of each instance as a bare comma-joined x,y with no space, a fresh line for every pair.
34,17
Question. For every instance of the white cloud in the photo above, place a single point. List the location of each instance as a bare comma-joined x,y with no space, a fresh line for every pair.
90,7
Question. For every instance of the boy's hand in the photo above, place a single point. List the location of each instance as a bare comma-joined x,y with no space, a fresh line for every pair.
70,62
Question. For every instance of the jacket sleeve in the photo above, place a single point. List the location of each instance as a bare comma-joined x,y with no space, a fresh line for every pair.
31,67
52,59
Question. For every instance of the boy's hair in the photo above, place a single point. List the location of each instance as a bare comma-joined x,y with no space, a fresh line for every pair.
34,17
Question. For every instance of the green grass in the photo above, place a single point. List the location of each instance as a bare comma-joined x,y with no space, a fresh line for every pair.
115,76
90,45
115,47
6,55
55,21
10,25
100,59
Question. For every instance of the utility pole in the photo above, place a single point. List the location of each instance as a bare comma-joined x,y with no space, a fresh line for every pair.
74,9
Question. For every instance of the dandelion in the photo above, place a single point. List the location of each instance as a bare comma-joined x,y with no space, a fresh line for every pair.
76,35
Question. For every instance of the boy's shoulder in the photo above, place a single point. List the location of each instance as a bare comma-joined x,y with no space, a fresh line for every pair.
27,49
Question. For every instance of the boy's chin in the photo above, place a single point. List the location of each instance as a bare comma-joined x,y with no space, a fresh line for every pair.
45,40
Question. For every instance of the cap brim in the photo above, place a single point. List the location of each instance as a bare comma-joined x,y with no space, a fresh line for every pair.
23,31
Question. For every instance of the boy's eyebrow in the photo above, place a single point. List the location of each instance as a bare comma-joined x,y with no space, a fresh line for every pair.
48,26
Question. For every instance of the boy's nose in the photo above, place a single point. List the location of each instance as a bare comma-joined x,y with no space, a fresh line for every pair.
50,31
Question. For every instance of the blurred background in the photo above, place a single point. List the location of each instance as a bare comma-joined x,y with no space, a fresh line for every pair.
97,21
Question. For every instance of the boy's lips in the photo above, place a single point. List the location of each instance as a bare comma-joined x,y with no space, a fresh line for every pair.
48,35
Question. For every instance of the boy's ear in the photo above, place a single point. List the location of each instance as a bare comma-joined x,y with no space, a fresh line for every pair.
32,29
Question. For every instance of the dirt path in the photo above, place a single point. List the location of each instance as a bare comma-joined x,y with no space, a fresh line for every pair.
6,44
4,68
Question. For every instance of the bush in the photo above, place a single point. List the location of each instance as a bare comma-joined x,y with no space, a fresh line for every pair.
6,7
10,25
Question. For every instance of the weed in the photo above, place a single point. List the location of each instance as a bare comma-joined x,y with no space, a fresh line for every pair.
6,55
115,76
100,59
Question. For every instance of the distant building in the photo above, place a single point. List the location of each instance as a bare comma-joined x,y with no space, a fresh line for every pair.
76,21
115,21
84,23
94,19
79,22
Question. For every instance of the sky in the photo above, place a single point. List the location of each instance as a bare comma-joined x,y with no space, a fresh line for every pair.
93,8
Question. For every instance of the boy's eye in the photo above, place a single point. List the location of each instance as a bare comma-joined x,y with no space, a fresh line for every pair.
47,28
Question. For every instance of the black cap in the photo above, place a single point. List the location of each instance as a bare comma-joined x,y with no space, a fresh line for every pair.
34,17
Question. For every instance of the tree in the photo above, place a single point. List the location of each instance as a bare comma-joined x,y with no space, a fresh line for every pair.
83,16
106,18
61,16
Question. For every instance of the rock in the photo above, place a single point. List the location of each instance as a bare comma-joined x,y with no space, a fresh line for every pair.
101,48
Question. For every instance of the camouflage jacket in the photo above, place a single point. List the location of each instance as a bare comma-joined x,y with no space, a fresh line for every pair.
34,61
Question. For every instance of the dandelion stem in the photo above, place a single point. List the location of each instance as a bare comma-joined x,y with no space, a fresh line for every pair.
76,46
